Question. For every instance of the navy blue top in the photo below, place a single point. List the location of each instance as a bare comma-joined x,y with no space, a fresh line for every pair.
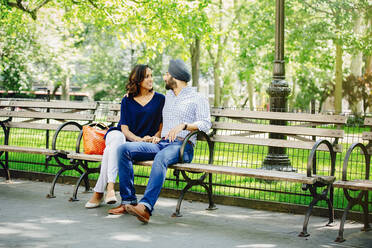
141,120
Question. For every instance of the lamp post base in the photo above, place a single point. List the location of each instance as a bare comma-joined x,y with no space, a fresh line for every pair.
279,162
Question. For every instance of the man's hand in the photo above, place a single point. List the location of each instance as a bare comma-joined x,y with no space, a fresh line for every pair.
172,135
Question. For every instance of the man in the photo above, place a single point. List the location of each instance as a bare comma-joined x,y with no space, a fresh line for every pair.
184,111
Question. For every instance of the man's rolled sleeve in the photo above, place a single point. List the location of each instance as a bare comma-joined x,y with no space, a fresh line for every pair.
203,116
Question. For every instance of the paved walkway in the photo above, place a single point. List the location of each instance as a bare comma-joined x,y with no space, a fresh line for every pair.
28,219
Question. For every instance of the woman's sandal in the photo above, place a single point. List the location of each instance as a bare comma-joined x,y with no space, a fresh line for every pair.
110,197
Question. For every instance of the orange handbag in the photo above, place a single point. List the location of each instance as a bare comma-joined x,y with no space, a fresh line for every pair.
93,141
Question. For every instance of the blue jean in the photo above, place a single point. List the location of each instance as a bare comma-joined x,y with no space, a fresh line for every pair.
164,153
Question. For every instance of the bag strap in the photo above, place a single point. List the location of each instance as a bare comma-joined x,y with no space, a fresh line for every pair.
98,124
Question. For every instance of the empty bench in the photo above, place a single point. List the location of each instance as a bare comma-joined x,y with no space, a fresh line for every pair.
29,127
351,184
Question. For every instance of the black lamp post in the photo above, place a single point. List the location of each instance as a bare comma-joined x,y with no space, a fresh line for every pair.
277,158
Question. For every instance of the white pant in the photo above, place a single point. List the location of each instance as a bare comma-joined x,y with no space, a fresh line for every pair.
109,165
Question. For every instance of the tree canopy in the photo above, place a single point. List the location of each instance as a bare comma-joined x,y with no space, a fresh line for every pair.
229,46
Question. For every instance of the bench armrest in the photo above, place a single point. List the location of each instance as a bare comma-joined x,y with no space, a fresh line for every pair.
311,162
176,172
6,132
204,135
60,128
347,157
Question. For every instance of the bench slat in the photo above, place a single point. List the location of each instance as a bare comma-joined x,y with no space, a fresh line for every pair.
53,105
44,115
248,172
289,130
354,184
40,126
368,121
367,135
27,150
314,118
114,107
98,158
256,173
273,142
112,118
82,156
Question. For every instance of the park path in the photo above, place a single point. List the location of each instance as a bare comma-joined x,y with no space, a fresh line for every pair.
29,219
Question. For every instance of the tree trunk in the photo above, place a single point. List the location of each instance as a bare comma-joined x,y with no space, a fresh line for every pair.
356,65
65,89
195,62
369,64
338,80
368,68
217,62
292,96
250,94
55,89
132,61
217,85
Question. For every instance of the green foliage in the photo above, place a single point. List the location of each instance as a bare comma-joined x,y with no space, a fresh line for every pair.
17,51
256,43
105,67
94,44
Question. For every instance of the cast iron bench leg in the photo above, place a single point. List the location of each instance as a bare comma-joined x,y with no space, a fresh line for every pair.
340,237
51,194
364,204
211,206
85,177
178,207
6,167
304,232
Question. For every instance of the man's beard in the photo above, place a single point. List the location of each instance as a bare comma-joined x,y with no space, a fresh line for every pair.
170,84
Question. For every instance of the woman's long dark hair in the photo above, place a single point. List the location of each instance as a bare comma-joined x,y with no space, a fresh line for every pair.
137,75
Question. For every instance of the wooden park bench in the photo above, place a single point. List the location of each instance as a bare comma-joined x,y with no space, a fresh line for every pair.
28,127
351,184
253,128
307,134
79,158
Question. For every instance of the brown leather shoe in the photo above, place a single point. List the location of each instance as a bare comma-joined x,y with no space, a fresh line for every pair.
118,210
140,211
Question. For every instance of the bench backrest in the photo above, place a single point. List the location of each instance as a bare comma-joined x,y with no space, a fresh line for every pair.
264,128
33,123
45,115
114,113
245,127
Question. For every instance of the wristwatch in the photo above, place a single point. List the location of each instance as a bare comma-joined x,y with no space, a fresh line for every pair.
185,127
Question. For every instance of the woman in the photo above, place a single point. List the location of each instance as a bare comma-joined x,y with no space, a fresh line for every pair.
140,120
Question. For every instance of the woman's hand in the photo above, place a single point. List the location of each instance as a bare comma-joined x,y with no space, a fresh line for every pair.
152,139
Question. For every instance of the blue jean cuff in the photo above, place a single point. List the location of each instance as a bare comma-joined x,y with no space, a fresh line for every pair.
148,206
133,202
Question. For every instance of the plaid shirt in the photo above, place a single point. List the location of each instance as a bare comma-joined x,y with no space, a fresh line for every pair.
188,107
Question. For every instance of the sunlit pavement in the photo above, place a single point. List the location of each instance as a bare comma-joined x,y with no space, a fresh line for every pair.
29,219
